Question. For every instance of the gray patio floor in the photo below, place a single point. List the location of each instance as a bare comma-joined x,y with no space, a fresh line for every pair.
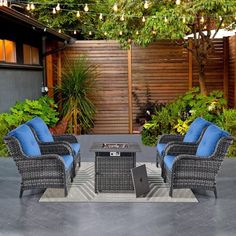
27,216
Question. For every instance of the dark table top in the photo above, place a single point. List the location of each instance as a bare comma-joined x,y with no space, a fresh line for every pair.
114,147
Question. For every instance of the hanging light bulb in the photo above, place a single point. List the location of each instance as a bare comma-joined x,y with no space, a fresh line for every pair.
28,7
122,18
202,20
90,32
220,18
146,5
58,8
143,19
86,9
154,32
120,33
105,33
223,25
32,6
184,20
178,2
75,32
5,3
59,31
54,10
101,16
165,19
137,33
78,14
115,7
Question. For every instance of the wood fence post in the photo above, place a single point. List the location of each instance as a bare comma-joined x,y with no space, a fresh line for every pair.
49,74
190,64
130,107
226,67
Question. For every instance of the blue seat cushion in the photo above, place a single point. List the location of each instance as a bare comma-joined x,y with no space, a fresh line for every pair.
68,161
27,140
161,147
209,141
41,129
75,147
195,130
169,160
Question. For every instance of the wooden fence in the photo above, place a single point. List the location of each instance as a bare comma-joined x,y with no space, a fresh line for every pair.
164,70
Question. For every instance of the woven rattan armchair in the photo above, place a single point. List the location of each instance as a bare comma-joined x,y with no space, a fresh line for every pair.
50,166
44,137
192,137
195,166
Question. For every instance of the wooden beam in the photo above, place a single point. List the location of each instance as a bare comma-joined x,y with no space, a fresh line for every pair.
226,67
49,75
130,110
190,65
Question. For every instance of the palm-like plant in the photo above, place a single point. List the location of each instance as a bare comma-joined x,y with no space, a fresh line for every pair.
75,93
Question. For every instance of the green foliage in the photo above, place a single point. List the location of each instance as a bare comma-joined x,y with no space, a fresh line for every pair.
43,107
76,92
176,116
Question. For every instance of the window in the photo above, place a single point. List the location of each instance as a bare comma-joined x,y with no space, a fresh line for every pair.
7,51
31,55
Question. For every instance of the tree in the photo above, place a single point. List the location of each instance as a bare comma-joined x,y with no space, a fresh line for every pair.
145,23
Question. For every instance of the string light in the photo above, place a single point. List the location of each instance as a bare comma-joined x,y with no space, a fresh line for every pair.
54,10
165,20
101,16
115,7
146,5
86,9
78,14
58,8
202,20
75,32
105,33
122,18
90,32
137,33
143,19
184,20
220,18
120,33
28,7
59,31
154,32
32,6
178,2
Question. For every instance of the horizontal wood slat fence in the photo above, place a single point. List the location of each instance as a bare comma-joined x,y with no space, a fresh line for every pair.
164,70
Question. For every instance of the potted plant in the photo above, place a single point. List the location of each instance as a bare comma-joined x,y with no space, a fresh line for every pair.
75,94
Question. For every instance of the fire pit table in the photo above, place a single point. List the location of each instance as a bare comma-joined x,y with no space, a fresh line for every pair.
113,162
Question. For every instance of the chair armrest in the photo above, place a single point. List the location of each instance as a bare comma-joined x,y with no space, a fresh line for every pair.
166,138
177,148
60,148
66,137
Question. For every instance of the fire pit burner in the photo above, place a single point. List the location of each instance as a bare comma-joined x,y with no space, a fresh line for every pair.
115,145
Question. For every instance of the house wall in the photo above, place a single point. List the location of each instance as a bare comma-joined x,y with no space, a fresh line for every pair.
164,69
17,85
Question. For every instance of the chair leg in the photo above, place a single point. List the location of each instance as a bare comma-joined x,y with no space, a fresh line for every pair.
215,192
65,191
21,192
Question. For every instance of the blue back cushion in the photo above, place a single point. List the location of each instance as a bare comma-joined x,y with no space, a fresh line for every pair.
41,129
209,141
27,140
195,130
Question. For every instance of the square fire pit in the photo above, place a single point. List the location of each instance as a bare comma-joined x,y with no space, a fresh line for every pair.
113,164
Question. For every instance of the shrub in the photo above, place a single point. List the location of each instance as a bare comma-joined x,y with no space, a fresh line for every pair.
43,107
176,116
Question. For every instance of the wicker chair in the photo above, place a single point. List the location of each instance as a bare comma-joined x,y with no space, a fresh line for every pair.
40,166
192,137
44,137
197,166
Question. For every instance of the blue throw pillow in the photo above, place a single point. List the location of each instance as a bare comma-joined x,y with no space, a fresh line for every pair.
195,130
41,129
209,141
27,140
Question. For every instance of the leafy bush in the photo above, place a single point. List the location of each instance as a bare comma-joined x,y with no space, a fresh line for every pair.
43,107
176,116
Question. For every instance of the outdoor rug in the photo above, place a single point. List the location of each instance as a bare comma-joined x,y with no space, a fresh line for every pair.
82,189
